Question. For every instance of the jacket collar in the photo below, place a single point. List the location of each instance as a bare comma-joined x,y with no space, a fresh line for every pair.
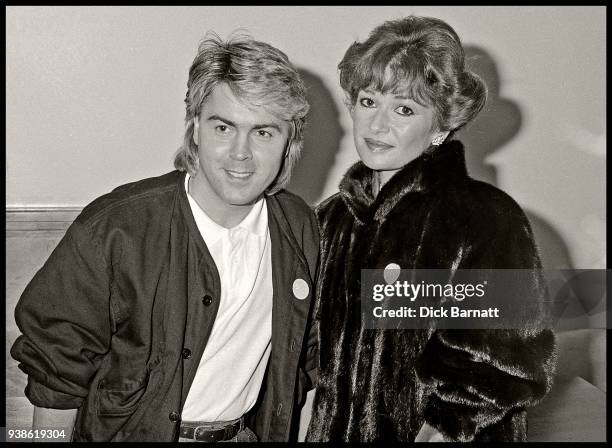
277,215
277,222
435,165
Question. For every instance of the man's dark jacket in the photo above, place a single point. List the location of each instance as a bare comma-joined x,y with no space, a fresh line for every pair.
116,321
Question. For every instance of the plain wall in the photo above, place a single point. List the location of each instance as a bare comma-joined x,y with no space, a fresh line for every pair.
95,99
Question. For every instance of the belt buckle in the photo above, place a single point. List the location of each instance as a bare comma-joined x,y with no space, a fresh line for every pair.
208,435
221,434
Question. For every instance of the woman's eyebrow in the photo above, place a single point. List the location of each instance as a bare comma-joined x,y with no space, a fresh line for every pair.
404,97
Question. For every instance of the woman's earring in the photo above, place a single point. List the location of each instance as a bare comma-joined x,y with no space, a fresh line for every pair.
438,140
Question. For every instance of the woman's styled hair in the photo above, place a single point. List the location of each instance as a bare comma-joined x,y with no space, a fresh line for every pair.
421,57
258,74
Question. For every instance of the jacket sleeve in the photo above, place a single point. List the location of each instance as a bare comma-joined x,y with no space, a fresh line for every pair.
312,345
474,378
64,318
318,226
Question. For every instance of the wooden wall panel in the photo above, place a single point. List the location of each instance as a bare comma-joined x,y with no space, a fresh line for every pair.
31,236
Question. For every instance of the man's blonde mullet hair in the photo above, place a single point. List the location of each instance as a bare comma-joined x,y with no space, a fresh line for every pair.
259,75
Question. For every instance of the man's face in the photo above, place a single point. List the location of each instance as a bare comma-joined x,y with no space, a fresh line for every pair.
240,150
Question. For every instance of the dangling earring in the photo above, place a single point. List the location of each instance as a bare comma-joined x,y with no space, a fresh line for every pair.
438,140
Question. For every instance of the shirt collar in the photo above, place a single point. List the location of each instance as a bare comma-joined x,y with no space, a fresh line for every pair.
255,222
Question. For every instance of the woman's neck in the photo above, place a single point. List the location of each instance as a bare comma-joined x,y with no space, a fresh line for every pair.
375,182
380,178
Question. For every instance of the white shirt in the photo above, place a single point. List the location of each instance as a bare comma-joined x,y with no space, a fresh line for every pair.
231,370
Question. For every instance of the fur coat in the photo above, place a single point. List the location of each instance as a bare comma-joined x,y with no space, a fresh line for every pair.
382,385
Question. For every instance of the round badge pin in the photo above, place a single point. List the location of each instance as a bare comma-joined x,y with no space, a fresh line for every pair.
300,289
391,273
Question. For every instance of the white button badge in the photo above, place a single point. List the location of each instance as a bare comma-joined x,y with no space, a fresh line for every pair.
300,289
391,273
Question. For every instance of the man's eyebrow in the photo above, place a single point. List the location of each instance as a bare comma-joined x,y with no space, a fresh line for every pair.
224,120
267,125
256,127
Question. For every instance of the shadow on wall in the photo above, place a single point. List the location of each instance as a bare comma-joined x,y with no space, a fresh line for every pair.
321,141
497,124
581,349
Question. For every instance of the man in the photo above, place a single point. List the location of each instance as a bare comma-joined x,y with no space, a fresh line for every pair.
176,307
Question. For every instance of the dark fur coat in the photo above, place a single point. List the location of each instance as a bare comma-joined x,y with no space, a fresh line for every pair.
381,385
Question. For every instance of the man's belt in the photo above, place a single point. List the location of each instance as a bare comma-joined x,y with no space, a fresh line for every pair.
205,434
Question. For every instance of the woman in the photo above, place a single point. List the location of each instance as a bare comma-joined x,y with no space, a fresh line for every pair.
410,202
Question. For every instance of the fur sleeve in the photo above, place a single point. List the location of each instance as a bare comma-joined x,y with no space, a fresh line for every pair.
474,378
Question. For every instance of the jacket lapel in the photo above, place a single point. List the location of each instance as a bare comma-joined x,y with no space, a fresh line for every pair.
290,274
293,291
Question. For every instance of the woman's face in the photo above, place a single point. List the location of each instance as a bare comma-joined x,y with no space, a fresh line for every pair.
390,130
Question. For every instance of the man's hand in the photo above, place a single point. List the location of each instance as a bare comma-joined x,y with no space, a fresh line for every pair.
429,434
62,419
